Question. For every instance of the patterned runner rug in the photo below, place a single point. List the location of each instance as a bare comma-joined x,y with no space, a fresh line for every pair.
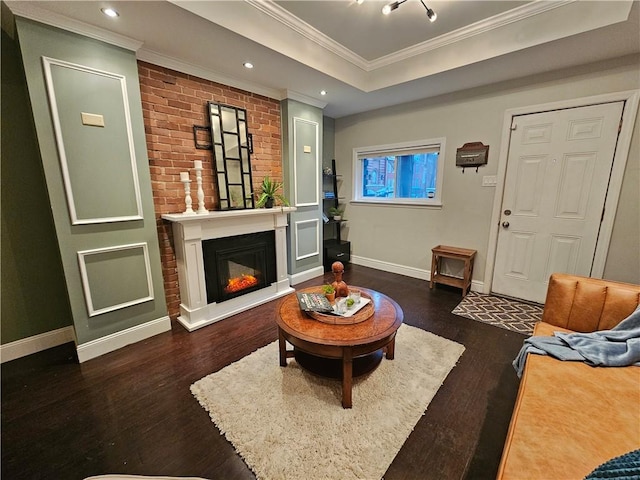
500,312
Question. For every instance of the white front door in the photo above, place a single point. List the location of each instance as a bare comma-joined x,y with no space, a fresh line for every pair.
558,170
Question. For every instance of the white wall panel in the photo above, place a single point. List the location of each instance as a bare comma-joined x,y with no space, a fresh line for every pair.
92,124
115,277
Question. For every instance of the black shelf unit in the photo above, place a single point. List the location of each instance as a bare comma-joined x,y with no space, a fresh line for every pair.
335,249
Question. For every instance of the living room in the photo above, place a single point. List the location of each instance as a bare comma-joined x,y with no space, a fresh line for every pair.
465,217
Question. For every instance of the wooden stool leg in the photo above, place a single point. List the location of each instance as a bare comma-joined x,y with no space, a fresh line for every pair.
434,263
467,277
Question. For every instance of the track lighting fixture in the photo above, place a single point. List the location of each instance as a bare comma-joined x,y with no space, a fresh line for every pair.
430,13
387,9
390,7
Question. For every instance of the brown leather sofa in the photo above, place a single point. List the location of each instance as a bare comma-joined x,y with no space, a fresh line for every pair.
570,417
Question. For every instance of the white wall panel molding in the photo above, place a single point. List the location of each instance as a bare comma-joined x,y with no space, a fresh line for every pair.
90,287
306,167
80,193
307,235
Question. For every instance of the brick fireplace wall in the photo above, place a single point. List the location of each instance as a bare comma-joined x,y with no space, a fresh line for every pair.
172,102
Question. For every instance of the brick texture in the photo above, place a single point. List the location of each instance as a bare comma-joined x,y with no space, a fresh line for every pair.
172,103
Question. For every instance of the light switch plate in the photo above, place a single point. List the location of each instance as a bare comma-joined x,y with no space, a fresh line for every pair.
489,181
92,119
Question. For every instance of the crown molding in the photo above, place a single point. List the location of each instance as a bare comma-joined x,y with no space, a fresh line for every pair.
275,11
497,21
156,58
32,12
161,60
299,97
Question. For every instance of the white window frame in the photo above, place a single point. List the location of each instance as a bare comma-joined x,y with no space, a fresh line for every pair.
399,149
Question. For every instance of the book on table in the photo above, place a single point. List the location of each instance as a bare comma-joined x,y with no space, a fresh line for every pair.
314,302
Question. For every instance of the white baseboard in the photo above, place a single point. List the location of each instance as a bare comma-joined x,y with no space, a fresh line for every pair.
95,348
37,343
306,275
413,272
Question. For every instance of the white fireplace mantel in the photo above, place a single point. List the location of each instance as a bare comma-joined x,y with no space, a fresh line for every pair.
189,230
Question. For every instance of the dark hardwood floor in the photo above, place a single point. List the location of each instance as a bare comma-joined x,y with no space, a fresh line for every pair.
131,411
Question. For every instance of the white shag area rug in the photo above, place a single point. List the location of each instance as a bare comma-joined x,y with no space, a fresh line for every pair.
287,423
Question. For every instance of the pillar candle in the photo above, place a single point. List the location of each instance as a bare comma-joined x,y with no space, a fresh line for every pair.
197,164
184,176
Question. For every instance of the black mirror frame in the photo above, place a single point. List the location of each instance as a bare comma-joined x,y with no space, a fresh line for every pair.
232,147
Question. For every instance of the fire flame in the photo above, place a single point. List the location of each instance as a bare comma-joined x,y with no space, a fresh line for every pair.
237,284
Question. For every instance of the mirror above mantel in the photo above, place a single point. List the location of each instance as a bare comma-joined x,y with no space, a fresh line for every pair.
231,144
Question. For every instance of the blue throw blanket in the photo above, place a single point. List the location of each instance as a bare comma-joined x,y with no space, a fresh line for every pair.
618,347
624,467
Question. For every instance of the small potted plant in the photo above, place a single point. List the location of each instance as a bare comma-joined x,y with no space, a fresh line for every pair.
269,194
336,213
329,292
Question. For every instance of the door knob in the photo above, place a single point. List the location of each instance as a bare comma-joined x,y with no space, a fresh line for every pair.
505,224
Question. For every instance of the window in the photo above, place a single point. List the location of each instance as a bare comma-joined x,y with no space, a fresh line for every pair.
407,173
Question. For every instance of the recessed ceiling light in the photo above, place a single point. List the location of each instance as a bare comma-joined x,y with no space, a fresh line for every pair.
323,92
248,65
110,12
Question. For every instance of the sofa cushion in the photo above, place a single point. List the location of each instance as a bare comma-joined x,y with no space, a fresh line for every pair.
575,401
588,304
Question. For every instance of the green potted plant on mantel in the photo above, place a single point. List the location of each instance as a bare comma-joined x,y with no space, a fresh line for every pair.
269,193
336,213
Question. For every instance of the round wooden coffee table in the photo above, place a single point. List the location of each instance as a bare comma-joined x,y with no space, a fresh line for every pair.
354,349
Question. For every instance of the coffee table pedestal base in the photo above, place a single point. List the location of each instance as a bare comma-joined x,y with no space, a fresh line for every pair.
336,362
332,367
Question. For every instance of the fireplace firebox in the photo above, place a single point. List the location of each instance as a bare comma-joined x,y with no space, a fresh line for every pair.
238,265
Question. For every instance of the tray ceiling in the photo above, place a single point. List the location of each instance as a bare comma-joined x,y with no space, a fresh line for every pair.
363,59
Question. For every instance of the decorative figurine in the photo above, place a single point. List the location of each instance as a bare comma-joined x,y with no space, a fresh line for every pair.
341,288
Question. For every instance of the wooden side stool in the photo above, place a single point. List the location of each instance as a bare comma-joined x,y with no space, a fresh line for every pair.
464,254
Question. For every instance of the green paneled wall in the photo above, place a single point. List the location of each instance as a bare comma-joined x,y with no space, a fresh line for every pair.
95,154
298,119
34,297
